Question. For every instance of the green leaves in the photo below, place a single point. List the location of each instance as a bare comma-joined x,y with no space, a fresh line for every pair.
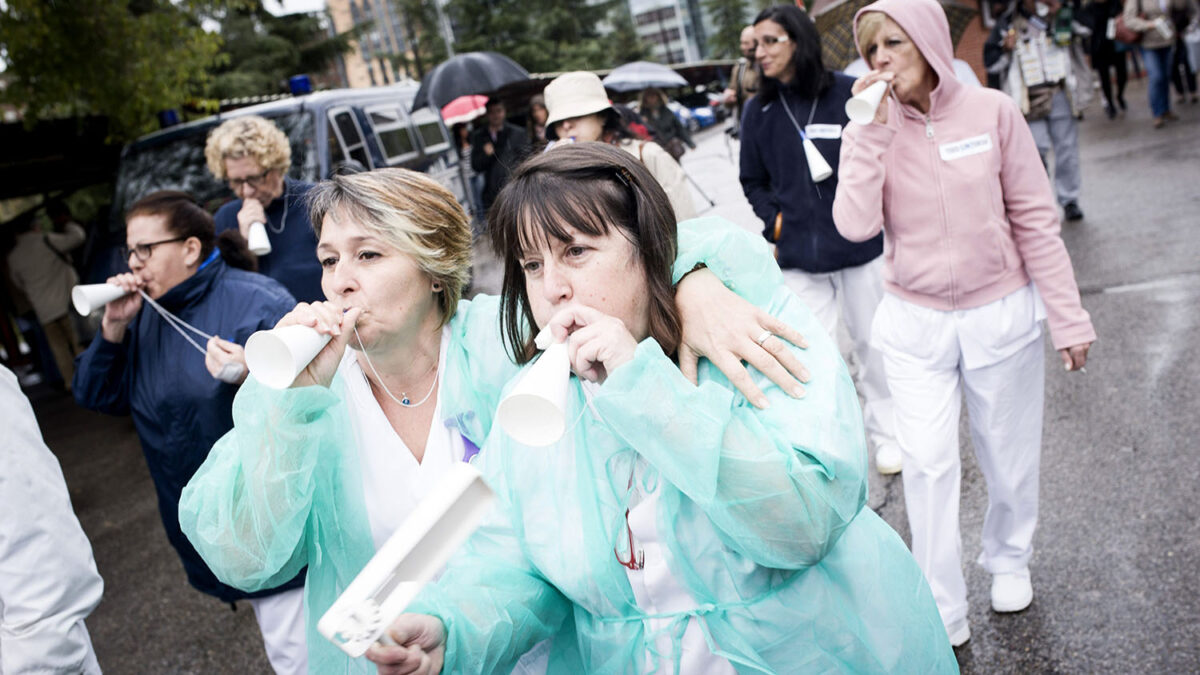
125,60
547,35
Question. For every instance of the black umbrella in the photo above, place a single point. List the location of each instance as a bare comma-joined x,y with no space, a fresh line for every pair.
466,75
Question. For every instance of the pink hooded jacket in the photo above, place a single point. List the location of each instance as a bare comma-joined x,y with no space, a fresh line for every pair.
962,193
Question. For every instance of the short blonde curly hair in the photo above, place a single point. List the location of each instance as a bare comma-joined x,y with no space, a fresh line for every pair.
250,136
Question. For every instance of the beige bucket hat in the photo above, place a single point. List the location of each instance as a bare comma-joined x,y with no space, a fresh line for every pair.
573,95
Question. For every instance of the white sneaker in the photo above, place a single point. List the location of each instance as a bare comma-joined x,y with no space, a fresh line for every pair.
888,459
1011,591
958,632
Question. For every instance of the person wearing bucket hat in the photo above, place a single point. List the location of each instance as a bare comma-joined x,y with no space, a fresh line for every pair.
580,111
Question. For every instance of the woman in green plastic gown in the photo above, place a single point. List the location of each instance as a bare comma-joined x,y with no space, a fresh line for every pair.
675,527
322,473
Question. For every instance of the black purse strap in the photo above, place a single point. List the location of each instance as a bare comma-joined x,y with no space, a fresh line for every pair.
61,256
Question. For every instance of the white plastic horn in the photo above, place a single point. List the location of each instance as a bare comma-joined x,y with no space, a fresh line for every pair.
257,241
90,297
534,411
861,108
275,357
410,558
818,168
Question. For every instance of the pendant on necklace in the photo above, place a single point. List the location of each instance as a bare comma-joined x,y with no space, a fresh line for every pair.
404,398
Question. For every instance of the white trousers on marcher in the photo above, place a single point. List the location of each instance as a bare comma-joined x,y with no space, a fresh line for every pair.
281,620
923,356
856,292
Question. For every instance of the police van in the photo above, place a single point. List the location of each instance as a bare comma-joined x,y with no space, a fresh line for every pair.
330,131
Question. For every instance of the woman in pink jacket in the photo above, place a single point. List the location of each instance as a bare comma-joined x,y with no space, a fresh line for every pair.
974,262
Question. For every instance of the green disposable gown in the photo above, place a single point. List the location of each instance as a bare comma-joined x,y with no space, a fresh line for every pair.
283,489
762,515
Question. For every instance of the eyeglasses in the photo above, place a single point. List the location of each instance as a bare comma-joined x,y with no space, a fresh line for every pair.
143,251
771,40
253,181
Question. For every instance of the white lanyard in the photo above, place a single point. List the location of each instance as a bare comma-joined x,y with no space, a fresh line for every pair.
811,112
230,372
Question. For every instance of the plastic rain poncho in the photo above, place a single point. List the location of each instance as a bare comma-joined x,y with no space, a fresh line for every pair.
283,489
762,517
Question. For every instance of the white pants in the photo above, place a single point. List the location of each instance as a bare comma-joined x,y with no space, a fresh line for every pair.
925,371
1060,132
281,620
858,291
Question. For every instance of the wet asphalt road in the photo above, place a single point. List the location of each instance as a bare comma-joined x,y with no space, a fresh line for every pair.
1118,548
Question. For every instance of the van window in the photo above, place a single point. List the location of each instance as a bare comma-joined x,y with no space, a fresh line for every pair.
350,143
391,128
432,133
174,160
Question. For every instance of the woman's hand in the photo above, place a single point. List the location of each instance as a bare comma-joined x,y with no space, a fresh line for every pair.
722,327
599,343
222,357
881,113
420,646
1075,357
327,319
119,312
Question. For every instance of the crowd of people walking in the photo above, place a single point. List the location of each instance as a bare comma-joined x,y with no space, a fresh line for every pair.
705,512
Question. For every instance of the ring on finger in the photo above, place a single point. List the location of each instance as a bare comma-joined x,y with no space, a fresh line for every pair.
762,338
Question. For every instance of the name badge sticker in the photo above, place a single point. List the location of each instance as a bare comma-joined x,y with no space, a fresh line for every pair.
965,148
830,131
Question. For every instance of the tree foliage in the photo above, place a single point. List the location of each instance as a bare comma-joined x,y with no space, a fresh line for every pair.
729,17
624,44
423,35
123,59
542,35
261,51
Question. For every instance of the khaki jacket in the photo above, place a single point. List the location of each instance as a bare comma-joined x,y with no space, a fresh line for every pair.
45,278
1142,15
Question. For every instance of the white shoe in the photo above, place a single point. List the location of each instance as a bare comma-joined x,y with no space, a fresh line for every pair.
888,459
1011,591
958,632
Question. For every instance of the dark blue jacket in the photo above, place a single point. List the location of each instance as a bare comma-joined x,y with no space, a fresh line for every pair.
775,178
178,408
293,257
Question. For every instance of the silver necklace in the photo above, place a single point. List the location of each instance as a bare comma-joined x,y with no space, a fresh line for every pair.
404,399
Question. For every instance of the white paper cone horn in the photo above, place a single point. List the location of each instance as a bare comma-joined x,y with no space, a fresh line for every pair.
861,108
818,168
534,411
275,357
258,242
90,297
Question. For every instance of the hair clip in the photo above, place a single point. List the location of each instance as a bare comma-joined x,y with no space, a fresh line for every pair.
625,177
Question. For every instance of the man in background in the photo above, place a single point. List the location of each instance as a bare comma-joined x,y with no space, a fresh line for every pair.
496,149
743,80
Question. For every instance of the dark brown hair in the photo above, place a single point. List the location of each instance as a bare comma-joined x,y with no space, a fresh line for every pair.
594,188
185,218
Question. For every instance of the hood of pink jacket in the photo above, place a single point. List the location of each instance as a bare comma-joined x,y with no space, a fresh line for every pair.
926,24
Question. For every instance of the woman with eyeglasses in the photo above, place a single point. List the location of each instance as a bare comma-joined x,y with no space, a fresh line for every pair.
839,279
579,111
253,156
674,528
146,362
